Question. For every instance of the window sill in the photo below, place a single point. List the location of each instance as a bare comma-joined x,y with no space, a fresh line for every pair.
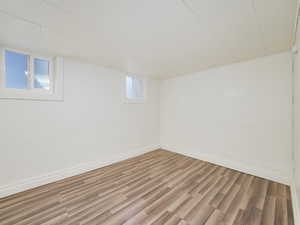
135,101
30,96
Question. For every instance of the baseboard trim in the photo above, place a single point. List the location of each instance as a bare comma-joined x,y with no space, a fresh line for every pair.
295,203
267,173
33,182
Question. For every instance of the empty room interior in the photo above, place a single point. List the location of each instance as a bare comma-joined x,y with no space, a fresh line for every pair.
139,112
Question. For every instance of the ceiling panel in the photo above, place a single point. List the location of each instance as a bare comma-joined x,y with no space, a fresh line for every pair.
46,15
19,33
158,38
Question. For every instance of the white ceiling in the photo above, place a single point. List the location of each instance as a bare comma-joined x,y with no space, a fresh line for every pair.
150,37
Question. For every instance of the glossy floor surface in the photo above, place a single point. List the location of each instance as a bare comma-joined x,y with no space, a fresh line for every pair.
159,187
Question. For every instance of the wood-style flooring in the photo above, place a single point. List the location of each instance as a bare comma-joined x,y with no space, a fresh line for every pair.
159,187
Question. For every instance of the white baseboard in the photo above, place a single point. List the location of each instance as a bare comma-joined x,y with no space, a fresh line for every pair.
295,202
284,177
33,182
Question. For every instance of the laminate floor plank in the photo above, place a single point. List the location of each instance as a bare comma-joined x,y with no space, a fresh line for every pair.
156,188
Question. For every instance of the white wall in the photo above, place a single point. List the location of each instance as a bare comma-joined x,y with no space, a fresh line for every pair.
238,116
41,138
296,114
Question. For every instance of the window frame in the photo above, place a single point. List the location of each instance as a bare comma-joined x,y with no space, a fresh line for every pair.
137,100
55,91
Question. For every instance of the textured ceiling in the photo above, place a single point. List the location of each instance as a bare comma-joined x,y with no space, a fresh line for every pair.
158,38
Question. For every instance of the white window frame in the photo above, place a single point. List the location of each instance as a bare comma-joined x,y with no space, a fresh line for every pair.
138,100
55,91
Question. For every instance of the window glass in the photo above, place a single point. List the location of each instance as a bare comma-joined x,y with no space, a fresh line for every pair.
134,88
16,70
41,74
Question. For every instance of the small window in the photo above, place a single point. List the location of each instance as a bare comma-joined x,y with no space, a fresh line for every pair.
18,72
27,76
135,89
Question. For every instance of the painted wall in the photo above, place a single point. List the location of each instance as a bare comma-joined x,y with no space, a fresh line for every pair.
238,116
296,114
91,124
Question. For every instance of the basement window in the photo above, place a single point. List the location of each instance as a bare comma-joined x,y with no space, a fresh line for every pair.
28,76
135,89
